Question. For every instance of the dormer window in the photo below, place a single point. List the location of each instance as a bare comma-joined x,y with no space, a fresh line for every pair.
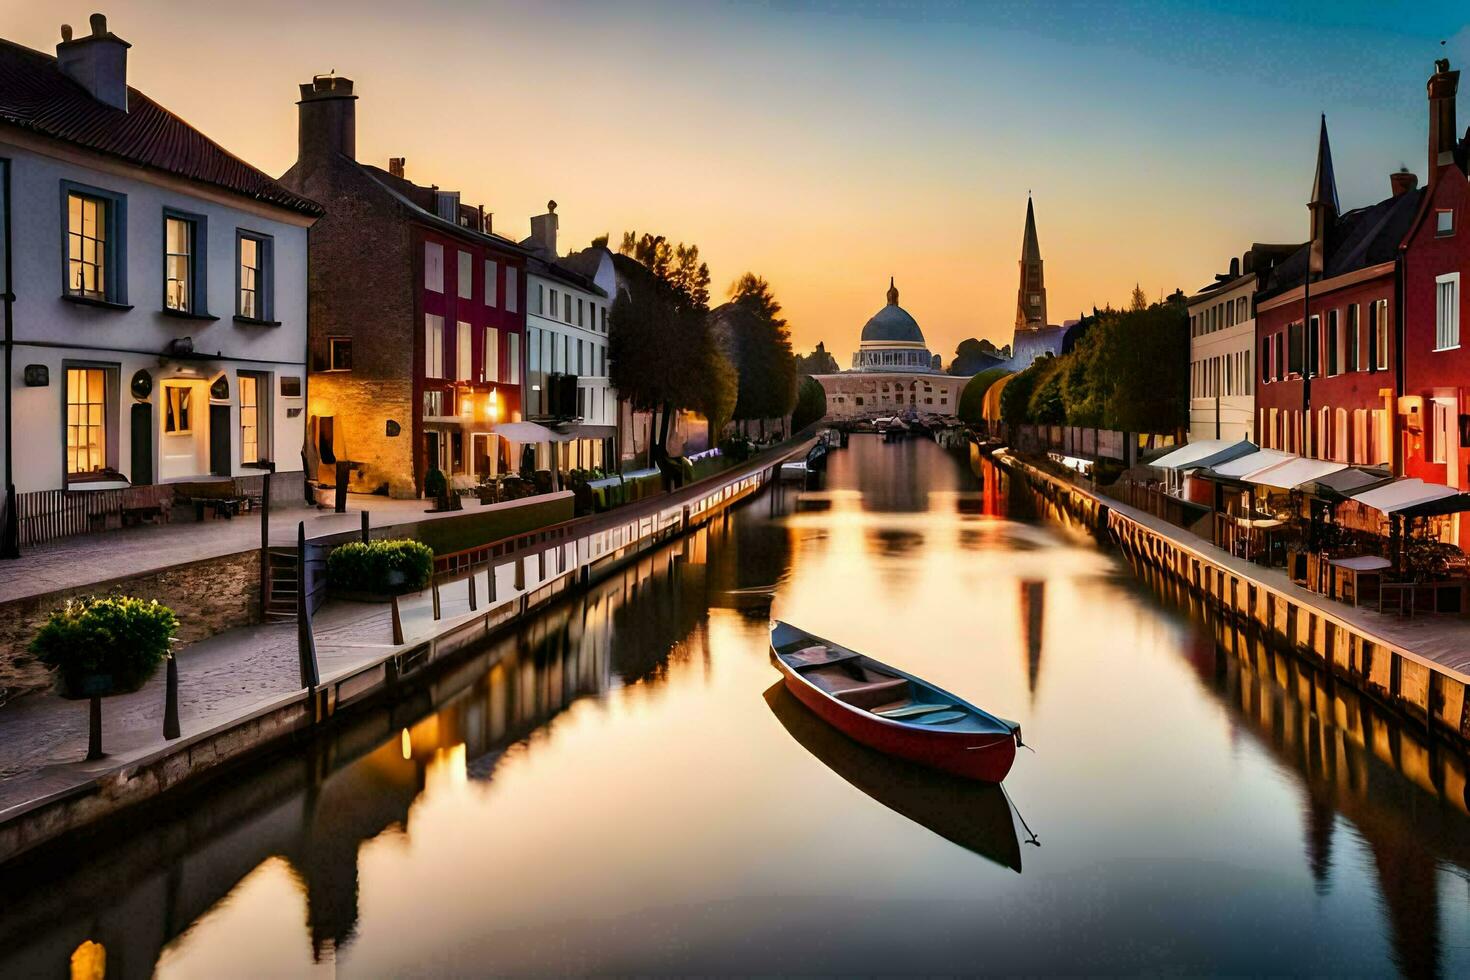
1444,223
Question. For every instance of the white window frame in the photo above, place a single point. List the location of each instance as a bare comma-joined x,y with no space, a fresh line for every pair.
464,352
465,282
434,267
433,345
1447,312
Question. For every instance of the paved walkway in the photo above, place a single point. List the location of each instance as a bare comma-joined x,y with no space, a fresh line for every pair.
86,558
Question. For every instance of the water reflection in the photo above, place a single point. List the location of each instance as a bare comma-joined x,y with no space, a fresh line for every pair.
608,792
973,815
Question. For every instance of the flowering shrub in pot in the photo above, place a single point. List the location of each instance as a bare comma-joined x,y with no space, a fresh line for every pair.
104,645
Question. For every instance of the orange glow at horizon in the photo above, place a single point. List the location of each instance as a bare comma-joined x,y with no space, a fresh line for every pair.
825,159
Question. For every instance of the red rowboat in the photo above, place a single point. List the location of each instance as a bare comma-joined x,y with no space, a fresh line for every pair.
891,711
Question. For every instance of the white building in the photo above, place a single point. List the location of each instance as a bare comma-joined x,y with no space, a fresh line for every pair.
1222,342
568,301
158,319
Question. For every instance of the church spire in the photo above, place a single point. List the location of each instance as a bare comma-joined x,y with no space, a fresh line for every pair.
1323,205
1031,296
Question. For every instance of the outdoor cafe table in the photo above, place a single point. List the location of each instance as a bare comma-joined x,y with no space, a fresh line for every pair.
1348,573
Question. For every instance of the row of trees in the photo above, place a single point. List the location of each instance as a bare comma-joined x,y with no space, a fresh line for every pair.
1125,370
669,352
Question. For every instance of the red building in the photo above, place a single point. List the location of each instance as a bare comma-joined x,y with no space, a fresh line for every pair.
1325,327
1436,257
417,315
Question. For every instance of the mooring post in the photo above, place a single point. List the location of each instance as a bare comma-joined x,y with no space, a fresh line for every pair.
397,624
434,584
94,729
364,527
473,605
171,699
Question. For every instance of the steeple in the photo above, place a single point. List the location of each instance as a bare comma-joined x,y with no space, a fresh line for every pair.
1031,295
1323,205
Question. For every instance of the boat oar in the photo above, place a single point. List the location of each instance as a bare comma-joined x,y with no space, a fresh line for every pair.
1030,837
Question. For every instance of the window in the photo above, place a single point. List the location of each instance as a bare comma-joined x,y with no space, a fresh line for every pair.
1242,311
464,282
183,262
434,404
490,284
1379,335
1441,436
1350,339
567,310
434,267
1277,357
1334,349
579,312
491,360
510,290
178,415
1294,343
254,408
1194,326
1444,223
1447,311
96,243
513,358
433,346
554,314
1314,347
1265,360
86,421
339,353
1340,437
464,349
604,319
255,277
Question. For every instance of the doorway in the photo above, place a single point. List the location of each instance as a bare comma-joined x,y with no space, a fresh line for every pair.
184,426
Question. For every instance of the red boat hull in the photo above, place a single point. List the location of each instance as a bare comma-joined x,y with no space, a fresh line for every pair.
973,756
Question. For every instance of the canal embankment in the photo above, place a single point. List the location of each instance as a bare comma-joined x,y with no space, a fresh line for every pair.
240,699
1418,667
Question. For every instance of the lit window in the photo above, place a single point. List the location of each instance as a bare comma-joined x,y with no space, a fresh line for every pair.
177,412
464,352
87,246
433,346
254,389
86,421
492,355
180,269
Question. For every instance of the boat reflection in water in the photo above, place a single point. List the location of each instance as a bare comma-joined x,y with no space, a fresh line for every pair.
971,814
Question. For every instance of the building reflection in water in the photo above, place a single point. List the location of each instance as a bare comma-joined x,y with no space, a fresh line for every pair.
1355,762
1033,611
317,811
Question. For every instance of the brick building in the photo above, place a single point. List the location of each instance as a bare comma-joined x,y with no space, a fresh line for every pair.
1436,258
1327,352
417,315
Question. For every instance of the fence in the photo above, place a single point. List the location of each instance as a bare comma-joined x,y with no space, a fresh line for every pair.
1153,500
1084,442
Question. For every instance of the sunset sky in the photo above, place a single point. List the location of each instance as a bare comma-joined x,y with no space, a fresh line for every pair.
828,146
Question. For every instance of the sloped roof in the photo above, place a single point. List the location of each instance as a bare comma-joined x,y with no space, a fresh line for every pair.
418,201
1361,238
36,96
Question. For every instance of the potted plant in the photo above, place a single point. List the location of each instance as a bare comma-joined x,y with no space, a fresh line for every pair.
375,570
102,646
436,488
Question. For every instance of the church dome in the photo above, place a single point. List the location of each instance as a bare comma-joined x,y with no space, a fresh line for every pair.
892,324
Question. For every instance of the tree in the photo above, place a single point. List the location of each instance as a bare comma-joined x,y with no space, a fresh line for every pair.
717,401
972,398
757,339
973,356
819,361
811,404
601,240
754,293
1139,300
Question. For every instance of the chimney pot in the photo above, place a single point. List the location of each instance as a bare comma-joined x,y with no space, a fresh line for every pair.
326,119
98,62
395,165
1402,182
1234,268
1441,89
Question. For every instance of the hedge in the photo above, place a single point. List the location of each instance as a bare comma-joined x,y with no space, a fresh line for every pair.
380,567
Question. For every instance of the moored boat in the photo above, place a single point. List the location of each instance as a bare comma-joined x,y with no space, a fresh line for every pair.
892,711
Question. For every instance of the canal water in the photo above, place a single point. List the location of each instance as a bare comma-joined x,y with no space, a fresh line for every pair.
622,789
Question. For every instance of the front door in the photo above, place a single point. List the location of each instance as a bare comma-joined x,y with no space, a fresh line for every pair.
219,440
185,430
141,424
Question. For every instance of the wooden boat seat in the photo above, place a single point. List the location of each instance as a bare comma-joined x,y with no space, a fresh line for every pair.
909,709
873,693
817,656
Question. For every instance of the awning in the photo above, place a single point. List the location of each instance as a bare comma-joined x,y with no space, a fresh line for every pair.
1293,473
1346,482
1413,498
1206,452
1239,467
530,432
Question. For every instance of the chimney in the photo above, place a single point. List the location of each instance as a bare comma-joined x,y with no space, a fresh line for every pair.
1235,268
395,166
98,62
327,119
543,229
1402,182
1442,86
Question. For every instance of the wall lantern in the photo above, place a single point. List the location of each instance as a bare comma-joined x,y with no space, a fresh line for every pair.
37,375
142,385
393,428
492,406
